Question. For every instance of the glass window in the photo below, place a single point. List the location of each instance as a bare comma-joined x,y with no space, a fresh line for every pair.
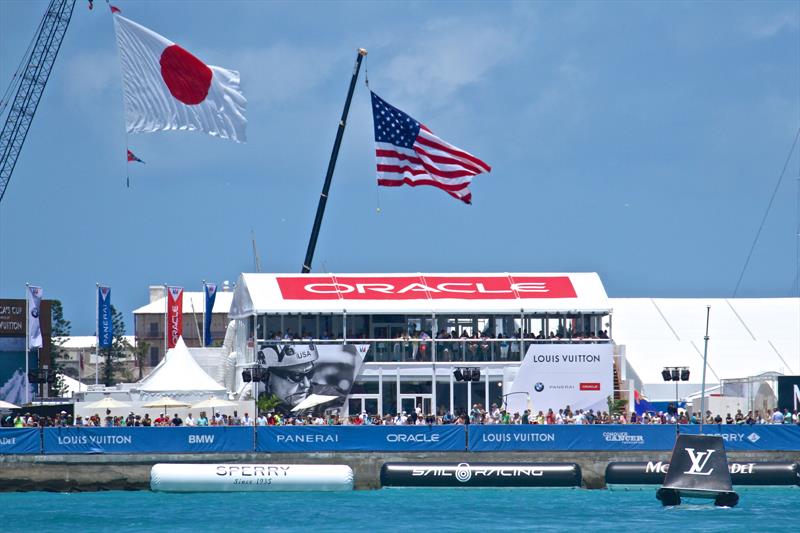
389,395
309,327
357,326
365,385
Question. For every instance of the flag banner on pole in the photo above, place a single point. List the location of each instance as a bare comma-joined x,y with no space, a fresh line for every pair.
167,88
34,328
105,325
408,153
133,159
210,290
174,315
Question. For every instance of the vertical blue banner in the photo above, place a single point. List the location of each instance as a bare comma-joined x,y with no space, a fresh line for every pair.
105,326
210,291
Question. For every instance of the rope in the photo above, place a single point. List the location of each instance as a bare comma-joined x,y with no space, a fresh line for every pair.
766,213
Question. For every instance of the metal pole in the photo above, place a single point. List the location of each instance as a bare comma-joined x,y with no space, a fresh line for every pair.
166,317
705,359
96,331
27,343
323,198
203,340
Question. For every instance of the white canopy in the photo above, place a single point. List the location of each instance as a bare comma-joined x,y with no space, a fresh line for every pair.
177,374
748,336
73,385
511,293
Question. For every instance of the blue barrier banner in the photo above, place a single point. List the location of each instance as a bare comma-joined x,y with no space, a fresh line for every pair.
625,437
20,441
361,438
148,440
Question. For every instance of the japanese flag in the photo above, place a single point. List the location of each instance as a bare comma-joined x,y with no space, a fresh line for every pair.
167,88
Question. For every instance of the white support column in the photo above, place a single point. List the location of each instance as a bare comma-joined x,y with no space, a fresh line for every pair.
452,393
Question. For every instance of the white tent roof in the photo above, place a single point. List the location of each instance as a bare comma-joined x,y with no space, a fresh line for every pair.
747,336
73,385
179,373
418,293
193,302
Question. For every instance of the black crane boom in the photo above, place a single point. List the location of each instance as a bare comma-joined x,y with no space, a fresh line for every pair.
31,85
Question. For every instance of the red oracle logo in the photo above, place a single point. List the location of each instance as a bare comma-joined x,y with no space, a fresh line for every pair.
590,386
425,287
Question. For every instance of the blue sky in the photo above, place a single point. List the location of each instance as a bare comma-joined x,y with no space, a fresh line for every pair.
638,140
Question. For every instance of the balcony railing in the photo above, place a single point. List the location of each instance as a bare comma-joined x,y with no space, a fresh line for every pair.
468,350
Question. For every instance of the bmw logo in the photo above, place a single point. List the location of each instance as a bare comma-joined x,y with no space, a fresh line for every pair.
539,387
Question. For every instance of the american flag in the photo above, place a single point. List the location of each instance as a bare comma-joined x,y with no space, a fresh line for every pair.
408,153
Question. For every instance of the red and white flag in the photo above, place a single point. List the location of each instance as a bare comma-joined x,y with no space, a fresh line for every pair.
408,153
167,88
174,315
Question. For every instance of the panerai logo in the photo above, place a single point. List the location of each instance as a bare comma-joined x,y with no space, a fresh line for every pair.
699,461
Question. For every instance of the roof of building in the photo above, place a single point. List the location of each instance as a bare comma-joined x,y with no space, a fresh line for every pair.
418,293
747,336
193,302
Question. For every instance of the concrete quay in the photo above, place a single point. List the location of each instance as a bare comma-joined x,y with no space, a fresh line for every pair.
78,473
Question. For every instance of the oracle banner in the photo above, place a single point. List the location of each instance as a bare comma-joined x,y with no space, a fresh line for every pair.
174,315
554,376
424,287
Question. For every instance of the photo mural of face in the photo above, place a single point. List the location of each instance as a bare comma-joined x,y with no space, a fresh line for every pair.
296,371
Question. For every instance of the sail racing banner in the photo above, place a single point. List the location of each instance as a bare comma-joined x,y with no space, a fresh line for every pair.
630,437
67,440
451,438
553,376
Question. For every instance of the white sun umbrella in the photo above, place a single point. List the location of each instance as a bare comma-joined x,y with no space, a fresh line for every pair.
214,403
312,401
165,402
106,403
7,405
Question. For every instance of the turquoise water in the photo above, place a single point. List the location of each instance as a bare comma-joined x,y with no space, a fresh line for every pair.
395,510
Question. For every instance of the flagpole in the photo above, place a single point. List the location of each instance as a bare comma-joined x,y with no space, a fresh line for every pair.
323,198
166,313
96,332
27,343
203,339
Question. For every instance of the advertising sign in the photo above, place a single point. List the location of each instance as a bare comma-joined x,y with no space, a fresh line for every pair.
361,438
296,371
148,440
484,287
789,393
553,376
174,315
12,318
19,441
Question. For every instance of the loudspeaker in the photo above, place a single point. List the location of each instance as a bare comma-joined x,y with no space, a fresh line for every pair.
475,374
675,374
458,375
666,374
685,374
247,376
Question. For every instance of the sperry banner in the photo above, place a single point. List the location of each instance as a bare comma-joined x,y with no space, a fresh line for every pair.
424,287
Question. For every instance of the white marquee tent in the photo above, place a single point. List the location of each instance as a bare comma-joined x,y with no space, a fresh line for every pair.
180,376
748,336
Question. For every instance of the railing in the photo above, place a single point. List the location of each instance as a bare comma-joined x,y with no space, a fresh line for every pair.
467,350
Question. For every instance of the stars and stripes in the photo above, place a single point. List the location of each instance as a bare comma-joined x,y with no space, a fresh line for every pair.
408,153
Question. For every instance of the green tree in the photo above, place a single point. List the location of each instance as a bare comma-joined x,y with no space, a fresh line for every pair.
140,353
113,356
60,330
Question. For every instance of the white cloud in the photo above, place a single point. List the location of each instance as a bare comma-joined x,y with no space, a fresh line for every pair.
765,27
91,74
282,72
449,55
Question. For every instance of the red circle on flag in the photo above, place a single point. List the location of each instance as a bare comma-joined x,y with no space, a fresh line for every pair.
187,78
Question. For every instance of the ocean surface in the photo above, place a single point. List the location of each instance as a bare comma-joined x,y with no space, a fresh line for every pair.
395,510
